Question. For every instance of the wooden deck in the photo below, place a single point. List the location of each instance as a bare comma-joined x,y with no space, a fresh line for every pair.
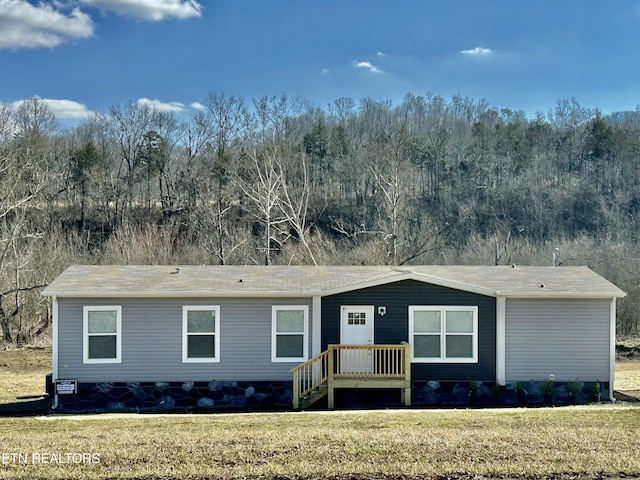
352,366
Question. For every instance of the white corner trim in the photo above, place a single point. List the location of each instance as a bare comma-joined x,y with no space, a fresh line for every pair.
501,340
316,326
612,348
54,339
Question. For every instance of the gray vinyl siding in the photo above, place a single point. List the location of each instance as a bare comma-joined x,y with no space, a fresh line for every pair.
152,341
567,338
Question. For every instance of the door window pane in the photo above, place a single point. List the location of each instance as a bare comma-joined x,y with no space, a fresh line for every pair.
356,318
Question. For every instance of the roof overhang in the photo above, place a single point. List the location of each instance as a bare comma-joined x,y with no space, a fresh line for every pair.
327,285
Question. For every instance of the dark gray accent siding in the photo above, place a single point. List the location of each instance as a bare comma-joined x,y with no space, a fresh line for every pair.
567,338
393,328
152,341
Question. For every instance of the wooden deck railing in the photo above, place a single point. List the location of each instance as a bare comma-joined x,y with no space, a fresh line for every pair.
353,366
309,376
369,361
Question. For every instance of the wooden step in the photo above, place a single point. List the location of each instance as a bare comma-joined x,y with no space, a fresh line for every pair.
314,396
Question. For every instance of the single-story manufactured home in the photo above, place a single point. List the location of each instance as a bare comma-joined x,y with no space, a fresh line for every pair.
148,338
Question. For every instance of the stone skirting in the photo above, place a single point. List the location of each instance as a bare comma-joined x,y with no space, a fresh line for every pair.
176,396
277,395
532,393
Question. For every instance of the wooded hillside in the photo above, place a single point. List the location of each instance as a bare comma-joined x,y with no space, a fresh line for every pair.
279,180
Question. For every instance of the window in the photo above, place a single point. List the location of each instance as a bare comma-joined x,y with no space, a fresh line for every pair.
201,334
289,333
357,318
443,334
102,337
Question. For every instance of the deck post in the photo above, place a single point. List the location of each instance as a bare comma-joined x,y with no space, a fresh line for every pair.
330,368
296,389
406,391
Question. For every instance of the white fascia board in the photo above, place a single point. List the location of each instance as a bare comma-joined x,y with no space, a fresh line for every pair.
183,294
576,295
410,276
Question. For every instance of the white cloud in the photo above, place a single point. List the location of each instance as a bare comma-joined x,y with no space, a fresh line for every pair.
325,71
197,106
152,10
61,109
23,25
47,24
162,106
368,66
381,54
67,108
477,52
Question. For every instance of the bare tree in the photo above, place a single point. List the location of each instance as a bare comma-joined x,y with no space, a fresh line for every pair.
223,238
128,126
23,180
262,184
217,138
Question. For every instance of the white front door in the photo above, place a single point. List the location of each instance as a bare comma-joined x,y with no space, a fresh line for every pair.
356,325
356,328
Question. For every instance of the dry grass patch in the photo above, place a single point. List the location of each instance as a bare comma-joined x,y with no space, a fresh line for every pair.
628,375
23,371
628,380
602,439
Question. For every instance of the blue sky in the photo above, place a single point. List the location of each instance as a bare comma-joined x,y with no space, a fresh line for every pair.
82,56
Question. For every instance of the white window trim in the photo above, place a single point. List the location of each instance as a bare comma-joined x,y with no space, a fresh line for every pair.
85,333
185,334
442,309
274,333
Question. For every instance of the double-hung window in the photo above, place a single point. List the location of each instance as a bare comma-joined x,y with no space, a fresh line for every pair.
443,334
102,334
289,333
200,334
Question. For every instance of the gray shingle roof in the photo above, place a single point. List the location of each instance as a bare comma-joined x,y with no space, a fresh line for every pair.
252,280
